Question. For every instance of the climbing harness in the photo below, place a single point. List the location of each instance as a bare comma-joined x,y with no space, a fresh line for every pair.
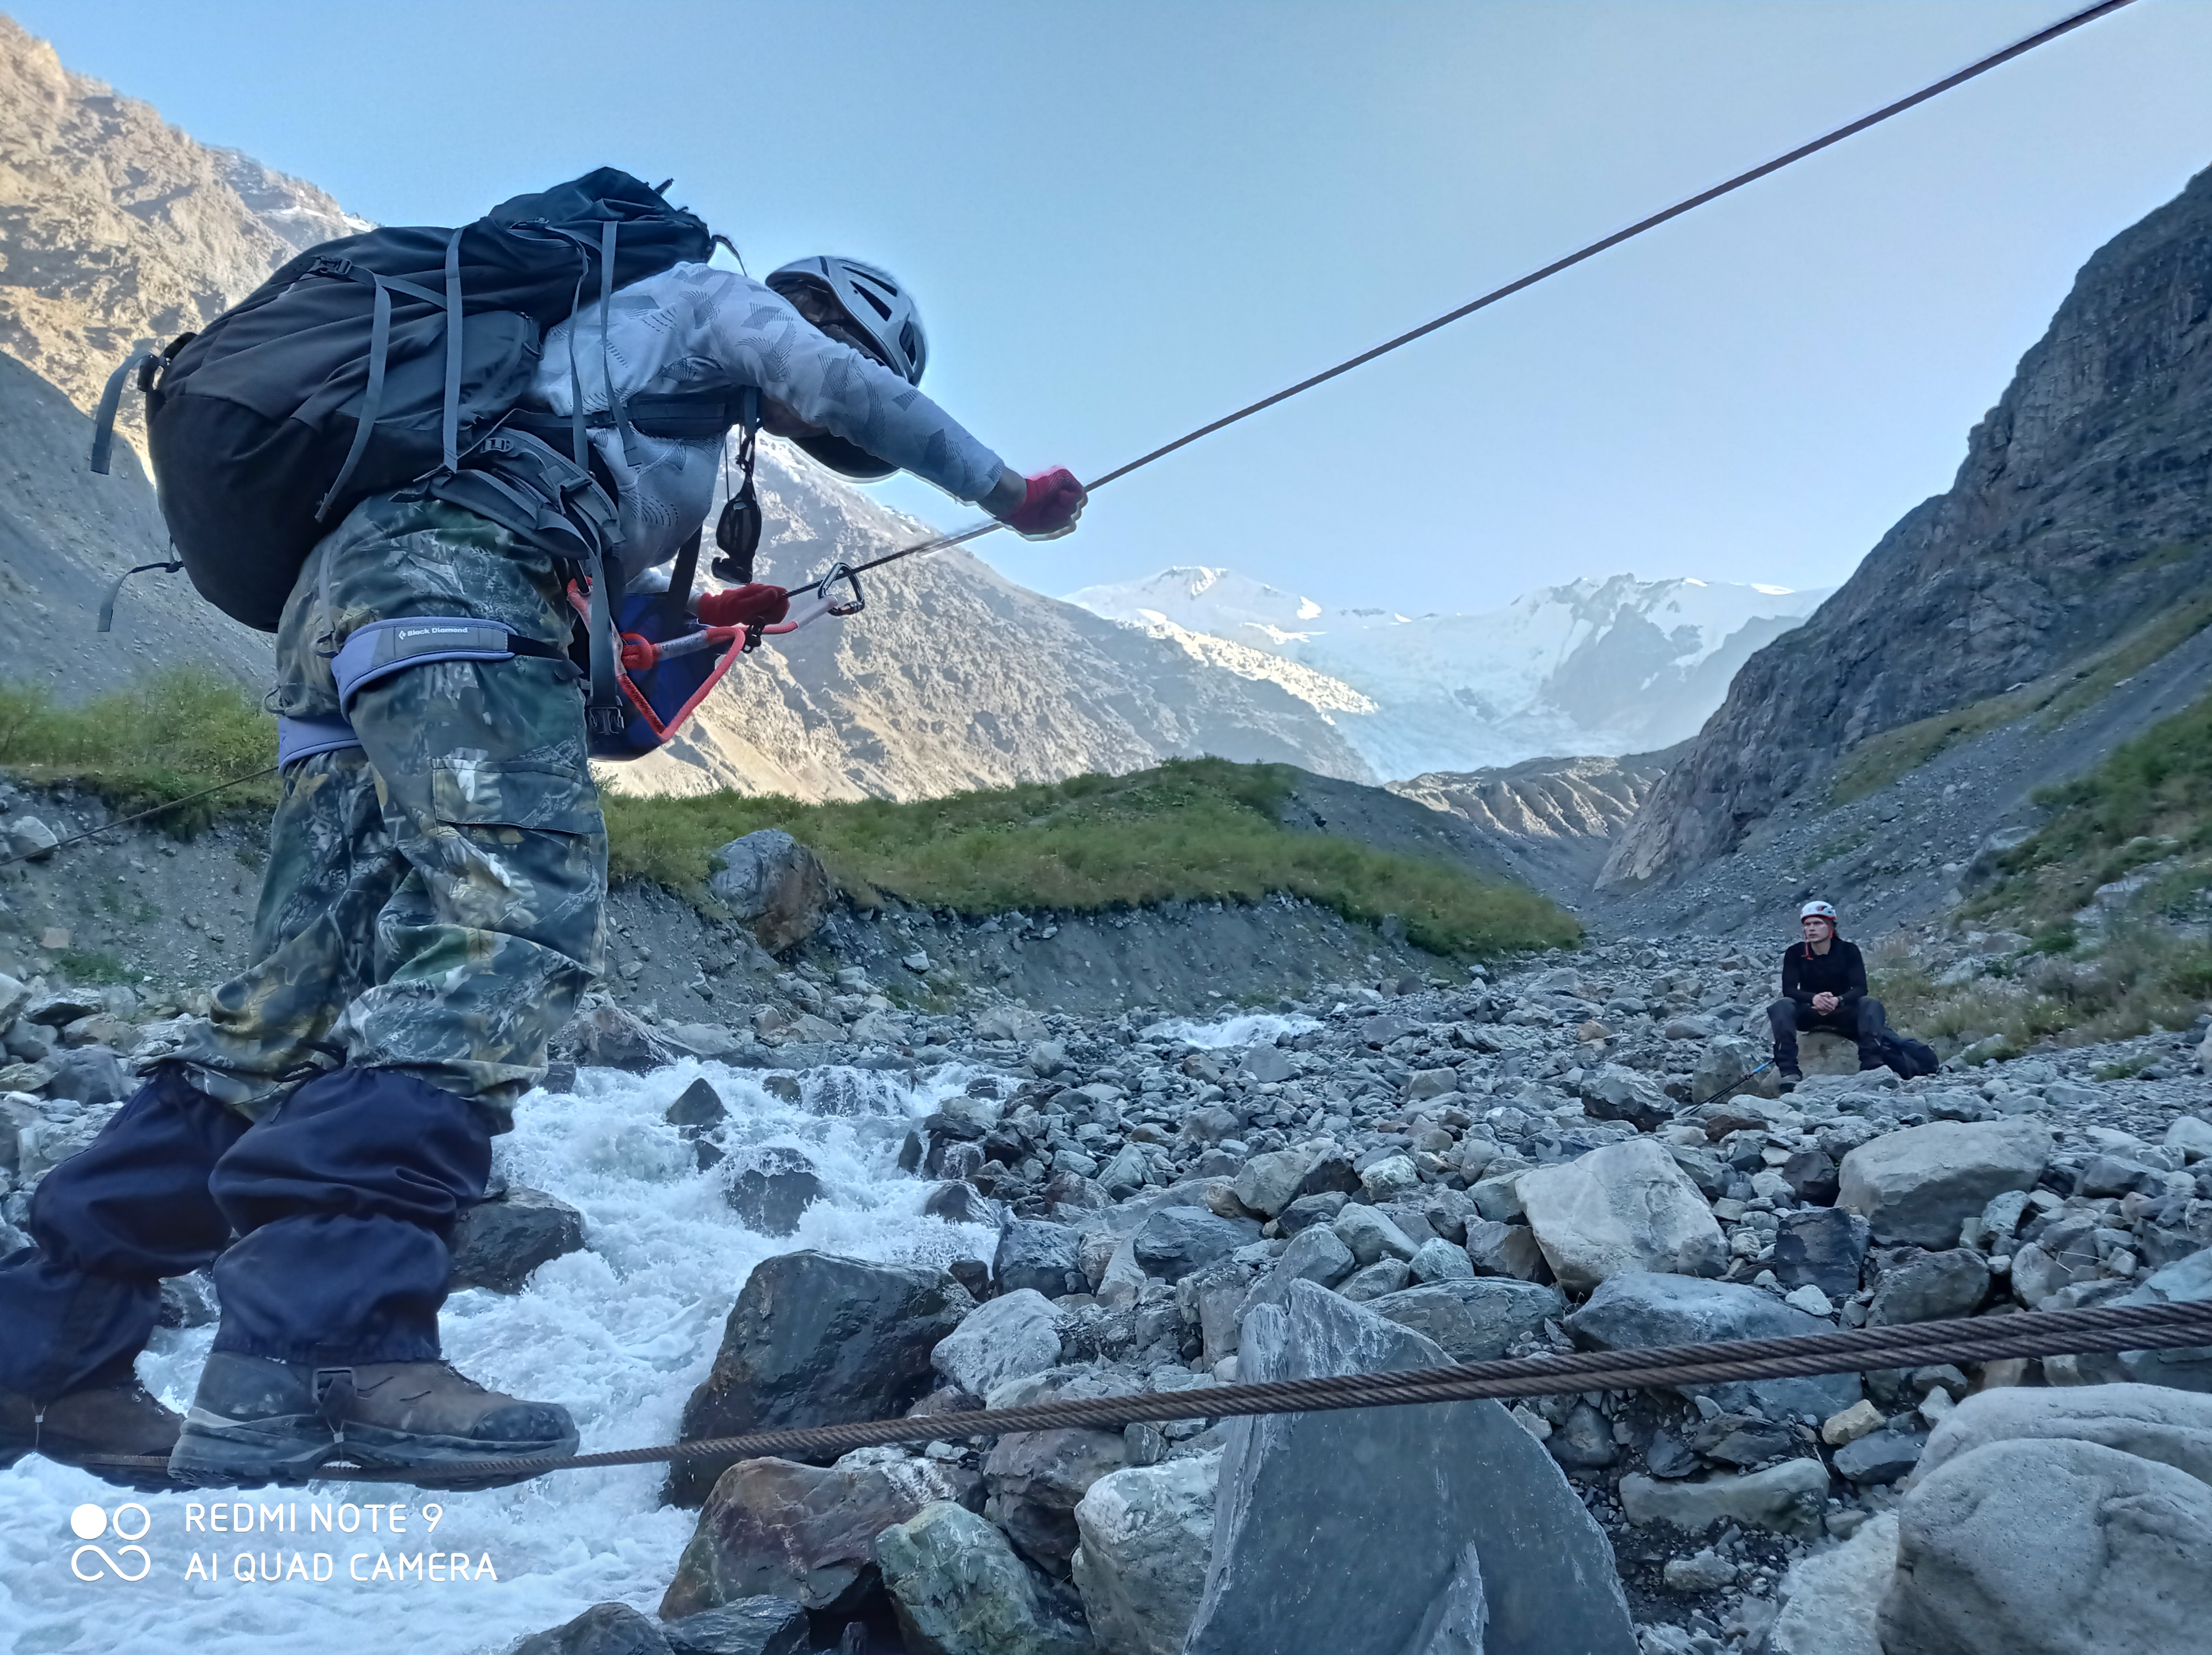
1919,1344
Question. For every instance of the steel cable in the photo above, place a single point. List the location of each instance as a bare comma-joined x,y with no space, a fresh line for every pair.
1976,1339
1690,203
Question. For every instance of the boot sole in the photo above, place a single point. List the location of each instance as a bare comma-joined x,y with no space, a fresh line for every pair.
422,1455
225,1453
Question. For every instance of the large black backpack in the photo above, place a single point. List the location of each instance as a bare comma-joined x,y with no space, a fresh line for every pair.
367,363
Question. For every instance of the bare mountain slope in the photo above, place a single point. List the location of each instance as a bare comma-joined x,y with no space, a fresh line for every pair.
2083,511
1550,821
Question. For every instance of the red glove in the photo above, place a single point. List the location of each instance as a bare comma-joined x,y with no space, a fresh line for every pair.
757,605
1049,510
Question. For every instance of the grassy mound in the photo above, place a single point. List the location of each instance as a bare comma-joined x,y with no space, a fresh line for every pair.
1191,830
1202,830
170,734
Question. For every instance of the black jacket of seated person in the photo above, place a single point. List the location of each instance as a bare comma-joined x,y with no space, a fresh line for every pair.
1840,971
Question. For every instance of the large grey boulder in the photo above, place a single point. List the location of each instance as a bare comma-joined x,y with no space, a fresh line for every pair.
1359,1529
1009,1337
2051,1546
2188,1367
957,1588
1612,1093
1626,1207
1043,1256
498,1243
1641,1312
1175,1241
1267,1184
1146,1533
602,1629
2152,1422
1832,1601
91,1074
1918,1185
773,1528
1472,1321
772,885
1786,1499
817,1340
773,1191
1823,1248
1931,1288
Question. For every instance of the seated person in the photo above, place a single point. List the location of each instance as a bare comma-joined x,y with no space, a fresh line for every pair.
1824,987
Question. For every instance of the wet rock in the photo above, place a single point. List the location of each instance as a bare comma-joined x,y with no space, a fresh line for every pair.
1621,1208
602,1035
602,1629
1177,1240
187,1301
957,1588
1043,1256
1642,1312
2039,1546
498,1243
699,1105
751,1625
1396,1495
774,1528
1146,1532
958,1204
1784,1499
773,886
1930,1286
819,1340
1918,1185
1472,1321
1824,1249
1015,1334
1036,1478
773,1193
1832,1601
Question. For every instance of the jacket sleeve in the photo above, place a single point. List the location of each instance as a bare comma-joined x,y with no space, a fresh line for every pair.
1855,984
1791,988
755,336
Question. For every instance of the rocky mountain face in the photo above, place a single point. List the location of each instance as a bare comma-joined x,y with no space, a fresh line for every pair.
1614,666
2080,514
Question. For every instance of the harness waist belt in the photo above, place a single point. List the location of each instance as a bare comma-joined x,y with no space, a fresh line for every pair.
303,738
378,650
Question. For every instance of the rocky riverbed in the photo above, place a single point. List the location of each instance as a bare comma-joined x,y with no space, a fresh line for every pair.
1379,1172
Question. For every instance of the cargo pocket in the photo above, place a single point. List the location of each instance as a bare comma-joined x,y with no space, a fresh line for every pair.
491,793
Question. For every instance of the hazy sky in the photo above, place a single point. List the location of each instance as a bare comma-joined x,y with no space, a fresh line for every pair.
1123,220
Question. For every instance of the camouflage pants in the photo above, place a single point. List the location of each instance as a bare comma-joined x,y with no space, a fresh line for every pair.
434,897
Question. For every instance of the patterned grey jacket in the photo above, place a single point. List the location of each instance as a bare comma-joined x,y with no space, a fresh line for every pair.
693,327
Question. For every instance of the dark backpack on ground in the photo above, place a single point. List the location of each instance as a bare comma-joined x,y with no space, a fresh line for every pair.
344,374
1910,1058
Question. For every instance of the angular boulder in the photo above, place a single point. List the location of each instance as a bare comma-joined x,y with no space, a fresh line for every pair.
957,1588
817,1340
774,1192
1918,1186
773,886
1009,1337
1625,1208
1472,1321
1141,1567
1043,1256
2050,1547
1268,1183
1786,1499
1644,1312
1931,1288
602,1629
1037,1477
1824,1249
751,1625
1360,1529
1613,1092
1832,1601
498,1243
774,1528
1176,1241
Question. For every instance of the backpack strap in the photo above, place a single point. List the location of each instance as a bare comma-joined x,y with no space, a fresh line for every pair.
374,652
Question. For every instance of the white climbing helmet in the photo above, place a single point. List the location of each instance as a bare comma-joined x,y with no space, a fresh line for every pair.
1820,910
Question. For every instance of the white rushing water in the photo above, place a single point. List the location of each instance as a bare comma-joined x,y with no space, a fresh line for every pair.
620,1333
1249,1029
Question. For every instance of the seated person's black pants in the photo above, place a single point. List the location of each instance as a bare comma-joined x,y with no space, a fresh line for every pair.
1863,1023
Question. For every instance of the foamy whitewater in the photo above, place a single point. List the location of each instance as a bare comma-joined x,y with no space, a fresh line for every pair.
620,1333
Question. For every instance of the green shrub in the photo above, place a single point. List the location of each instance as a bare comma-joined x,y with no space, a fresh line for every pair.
168,735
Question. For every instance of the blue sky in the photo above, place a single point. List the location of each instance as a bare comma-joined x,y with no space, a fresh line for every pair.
1123,220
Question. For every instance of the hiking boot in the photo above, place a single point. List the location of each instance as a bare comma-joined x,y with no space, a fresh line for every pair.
1789,1081
119,1422
255,1422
